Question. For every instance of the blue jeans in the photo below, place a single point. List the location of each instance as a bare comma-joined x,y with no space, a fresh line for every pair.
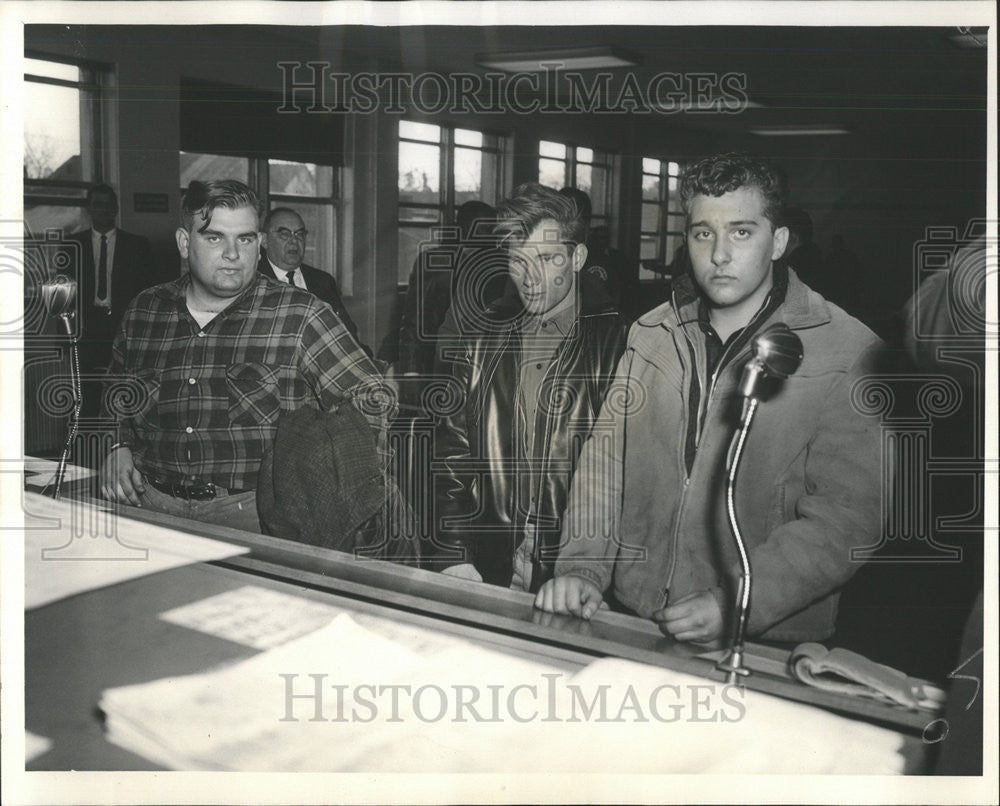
238,511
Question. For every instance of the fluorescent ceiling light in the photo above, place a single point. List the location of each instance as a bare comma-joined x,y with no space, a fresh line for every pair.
718,103
531,61
804,130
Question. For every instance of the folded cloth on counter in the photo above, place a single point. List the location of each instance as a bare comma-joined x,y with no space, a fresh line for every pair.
846,672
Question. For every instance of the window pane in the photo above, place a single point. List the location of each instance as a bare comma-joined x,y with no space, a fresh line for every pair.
206,167
599,188
465,137
484,167
556,150
650,217
552,173
45,216
674,242
647,248
468,171
41,67
650,187
650,166
584,155
410,241
52,132
300,178
673,169
419,173
583,177
672,183
490,184
420,131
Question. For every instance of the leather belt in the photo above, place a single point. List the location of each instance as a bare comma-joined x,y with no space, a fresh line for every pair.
193,491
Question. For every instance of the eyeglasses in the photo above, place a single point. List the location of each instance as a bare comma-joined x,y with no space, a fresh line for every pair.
284,234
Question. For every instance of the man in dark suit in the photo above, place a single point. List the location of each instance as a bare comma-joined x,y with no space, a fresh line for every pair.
284,242
111,266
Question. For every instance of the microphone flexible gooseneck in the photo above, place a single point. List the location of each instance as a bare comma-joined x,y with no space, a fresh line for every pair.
58,297
777,354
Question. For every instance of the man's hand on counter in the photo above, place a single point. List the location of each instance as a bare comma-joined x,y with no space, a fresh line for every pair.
695,617
120,480
569,594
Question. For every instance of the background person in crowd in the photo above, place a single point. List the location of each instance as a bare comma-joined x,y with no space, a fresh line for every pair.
530,382
604,263
802,253
439,271
945,334
284,248
846,278
111,266
218,355
607,263
647,511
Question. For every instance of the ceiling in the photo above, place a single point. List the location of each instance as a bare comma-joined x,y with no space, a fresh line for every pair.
852,76
875,80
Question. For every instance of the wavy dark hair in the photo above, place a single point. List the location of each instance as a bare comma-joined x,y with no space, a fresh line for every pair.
532,203
203,198
724,173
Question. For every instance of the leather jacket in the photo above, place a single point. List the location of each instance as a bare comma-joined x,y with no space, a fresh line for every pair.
479,516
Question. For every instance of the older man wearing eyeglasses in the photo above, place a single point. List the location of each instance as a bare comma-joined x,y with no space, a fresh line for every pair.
284,243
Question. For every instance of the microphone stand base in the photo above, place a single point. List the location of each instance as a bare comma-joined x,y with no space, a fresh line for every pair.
733,666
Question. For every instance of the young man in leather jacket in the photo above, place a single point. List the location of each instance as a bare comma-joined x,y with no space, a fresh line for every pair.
530,374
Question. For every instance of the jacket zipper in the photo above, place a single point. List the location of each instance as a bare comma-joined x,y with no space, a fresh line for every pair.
702,415
496,361
543,465
573,342
674,539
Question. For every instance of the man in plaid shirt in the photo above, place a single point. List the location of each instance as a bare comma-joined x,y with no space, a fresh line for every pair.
217,356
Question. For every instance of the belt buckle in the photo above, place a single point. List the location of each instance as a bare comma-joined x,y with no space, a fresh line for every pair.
204,492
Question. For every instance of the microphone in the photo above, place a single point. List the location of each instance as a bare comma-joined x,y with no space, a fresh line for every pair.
58,297
777,353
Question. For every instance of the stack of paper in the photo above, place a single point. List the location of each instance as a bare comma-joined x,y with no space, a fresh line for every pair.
347,699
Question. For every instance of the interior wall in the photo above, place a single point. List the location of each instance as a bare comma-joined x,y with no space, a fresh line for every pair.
880,189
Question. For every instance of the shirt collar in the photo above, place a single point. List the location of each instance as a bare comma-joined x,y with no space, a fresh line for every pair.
96,236
280,272
561,317
176,291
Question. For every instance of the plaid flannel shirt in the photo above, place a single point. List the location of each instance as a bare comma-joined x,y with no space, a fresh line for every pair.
202,404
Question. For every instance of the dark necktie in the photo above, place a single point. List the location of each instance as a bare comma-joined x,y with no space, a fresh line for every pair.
291,277
102,270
